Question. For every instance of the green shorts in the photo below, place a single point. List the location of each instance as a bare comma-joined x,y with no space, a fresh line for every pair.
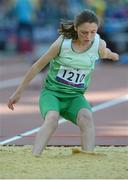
68,107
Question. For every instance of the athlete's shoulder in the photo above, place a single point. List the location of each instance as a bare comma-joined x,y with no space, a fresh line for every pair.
102,48
56,45
102,44
58,41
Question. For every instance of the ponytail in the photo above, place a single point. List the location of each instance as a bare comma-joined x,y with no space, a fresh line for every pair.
67,29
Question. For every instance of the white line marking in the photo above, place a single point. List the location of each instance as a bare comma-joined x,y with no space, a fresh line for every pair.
19,136
9,83
15,82
110,103
62,120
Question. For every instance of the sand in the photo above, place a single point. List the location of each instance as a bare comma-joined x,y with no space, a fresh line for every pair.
63,163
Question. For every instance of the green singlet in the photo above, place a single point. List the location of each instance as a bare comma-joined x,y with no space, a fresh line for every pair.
67,80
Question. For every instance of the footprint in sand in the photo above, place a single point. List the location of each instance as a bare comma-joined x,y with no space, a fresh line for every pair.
78,151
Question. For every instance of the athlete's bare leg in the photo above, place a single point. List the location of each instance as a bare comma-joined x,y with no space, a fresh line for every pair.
47,129
86,125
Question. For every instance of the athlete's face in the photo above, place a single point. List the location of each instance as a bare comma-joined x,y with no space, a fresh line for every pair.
86,32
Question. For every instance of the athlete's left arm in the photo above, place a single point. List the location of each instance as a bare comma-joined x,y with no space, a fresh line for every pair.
106,52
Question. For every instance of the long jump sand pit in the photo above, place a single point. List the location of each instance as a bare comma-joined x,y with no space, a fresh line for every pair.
63,163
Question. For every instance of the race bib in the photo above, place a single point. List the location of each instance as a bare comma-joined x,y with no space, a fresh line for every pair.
71,76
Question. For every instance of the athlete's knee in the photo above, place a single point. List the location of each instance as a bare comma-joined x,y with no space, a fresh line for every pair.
85,119
52,118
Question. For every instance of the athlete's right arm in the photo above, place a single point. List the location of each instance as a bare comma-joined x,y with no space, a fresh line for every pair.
34,70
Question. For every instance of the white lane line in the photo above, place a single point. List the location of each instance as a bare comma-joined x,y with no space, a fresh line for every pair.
15,82
110,103
94,109
9,83
19,136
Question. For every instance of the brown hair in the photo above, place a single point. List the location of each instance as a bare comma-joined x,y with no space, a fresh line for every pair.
67,27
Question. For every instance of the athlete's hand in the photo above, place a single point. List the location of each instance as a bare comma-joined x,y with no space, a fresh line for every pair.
13,100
